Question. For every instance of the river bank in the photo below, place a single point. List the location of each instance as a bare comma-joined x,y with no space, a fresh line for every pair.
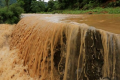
97,10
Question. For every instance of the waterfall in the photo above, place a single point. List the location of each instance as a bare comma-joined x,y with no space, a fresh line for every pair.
61,51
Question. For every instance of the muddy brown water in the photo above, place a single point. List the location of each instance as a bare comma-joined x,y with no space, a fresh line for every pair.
107,22
61,47
56,47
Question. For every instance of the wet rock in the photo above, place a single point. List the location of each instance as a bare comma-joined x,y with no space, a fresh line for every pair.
105,78
90,13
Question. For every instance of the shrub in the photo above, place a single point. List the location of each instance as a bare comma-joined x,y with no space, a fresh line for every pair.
90,5
53,5
56,5
114,4
49,9
11,15
37,6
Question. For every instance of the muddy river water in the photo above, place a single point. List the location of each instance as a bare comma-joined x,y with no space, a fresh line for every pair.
64,47
107,22
42,47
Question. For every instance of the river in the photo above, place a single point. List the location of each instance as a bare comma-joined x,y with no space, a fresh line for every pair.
61,47
107,22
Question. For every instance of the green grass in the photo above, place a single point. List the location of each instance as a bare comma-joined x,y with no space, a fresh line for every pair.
97,10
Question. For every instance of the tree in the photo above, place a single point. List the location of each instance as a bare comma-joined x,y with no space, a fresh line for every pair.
21,3
1,3
7,3
12,1
11,15
26,4
37,6
50,4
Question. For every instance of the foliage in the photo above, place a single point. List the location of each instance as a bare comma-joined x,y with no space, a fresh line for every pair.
26,4
6,2
1,3
52,5
86,4
90,5
12,1
56,5
97,10
37,6
21,3
11,15
114,4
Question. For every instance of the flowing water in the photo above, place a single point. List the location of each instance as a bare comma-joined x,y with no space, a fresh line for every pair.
56,50
11,66
61,47
107,22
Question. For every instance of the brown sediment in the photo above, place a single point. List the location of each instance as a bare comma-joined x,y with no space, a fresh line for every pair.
60,51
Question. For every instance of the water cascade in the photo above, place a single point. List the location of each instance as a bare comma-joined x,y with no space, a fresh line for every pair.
60,51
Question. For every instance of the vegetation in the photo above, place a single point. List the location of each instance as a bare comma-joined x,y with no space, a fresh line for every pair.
10,10
37,6
11,15
9,2
97,10
83,6
26,5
